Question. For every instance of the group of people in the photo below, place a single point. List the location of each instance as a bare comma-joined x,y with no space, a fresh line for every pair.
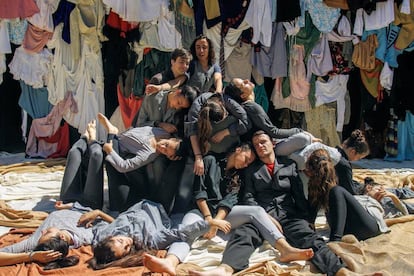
244,182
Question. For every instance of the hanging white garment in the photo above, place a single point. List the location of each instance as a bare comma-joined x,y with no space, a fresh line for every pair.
43,19
62,77
32,68
259,17
136,11
386,76
88,95
381,17
170,38
5,47
230,40
334,90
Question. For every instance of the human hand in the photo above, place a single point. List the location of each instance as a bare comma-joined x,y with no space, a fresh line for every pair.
221,224
170,128
45,256
313,138
212,232
108,147
88,218
152,88
198,166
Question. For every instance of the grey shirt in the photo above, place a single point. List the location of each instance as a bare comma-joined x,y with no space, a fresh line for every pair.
155,108
148,222
62,219
135,148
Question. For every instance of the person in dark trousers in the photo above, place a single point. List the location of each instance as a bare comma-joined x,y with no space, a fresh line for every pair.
83,177
278,189
361,216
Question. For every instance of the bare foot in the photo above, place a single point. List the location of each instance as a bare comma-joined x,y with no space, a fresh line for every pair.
219,271
110,128
296,254
86,134
289,253
91,129
156,264
59,205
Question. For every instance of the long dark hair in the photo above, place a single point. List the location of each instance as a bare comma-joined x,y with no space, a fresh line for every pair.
358,142
234,92
212,111
62,246
190,93
211,53
322,178
104,257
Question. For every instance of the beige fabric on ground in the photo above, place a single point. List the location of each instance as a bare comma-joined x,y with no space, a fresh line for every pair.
20,218
390,253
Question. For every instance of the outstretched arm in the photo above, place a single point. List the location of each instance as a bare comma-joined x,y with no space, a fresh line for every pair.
172,84
88,218
25,257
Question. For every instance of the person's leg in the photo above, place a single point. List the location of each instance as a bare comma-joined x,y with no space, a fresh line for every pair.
71,188
184,194
138,186
261,220
171,178
293,143
93,191
299,233
347,216
256,215
242,243
109,127
402,193
176,252
118,188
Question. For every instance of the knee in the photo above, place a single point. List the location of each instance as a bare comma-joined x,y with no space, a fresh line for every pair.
255,212
336,192
96,156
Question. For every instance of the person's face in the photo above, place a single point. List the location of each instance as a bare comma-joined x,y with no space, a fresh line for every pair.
354,156
121,246
168,147
263,145
180,66
243,159
178,101
201,48
49,233
374,190
246,87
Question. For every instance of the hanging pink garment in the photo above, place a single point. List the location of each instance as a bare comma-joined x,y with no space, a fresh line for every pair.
17,8
46,127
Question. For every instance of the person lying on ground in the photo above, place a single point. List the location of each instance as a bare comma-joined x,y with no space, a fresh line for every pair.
389,198
216,195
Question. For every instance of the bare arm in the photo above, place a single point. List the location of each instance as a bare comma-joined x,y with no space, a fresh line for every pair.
88,218
198,157
172,84
26,257
218,82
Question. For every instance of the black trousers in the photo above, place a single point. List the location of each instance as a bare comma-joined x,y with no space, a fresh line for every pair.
298,232
347,216
83,177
